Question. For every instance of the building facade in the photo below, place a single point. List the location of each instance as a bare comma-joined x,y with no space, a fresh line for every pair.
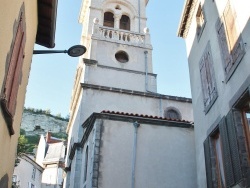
51,156
217,41
22,25
32,176
116,75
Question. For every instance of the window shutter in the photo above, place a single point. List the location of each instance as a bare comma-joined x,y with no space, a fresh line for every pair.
13,74
204,82
13,63
213,91
17,74
224,45
229,175
233,146
229,19
208,162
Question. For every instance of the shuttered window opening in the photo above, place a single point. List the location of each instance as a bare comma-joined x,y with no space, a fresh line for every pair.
208,79
230,40
125,22
108,20
225,152
14,73
200,21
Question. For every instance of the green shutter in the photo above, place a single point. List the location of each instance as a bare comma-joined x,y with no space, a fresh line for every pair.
208,163
233,142
227,161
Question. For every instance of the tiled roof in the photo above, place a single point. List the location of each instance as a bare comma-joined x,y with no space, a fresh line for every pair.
55,152
144,116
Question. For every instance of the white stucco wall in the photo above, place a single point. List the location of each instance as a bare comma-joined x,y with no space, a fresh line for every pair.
165,156
226,90
50,176
40,152
125,103
24,172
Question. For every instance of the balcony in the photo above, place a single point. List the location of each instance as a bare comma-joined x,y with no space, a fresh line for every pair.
120,36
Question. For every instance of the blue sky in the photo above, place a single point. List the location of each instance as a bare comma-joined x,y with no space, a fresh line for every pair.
52,76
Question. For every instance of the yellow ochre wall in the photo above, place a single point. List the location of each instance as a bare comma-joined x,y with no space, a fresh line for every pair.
9,13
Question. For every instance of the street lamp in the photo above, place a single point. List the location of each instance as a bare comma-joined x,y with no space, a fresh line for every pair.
74,51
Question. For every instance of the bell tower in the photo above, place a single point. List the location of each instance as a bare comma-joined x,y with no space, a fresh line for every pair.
114,78
116,71
119,49
118,57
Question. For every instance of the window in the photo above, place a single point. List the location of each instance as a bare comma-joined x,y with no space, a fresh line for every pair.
217,146
86,165
108,19
31,185
208,79
33,173
172,113
13,74
243,108
200,20
122,57
230,40
125,22
225,152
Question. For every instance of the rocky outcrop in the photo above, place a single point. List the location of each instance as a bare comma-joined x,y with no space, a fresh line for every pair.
37,123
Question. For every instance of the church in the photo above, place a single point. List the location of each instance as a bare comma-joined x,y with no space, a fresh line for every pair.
122,133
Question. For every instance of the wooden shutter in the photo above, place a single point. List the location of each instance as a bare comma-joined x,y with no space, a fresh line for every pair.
212,85
227,161
230,40
204,82
207,77
208,163
237,144
235,41
17,63
224,47
13,75
229,19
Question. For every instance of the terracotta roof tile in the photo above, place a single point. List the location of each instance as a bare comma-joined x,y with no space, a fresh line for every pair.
143,115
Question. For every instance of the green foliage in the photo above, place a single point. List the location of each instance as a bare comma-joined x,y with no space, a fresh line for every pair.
46,112
22,145
60,135
59,115
22,132
33,139
21,148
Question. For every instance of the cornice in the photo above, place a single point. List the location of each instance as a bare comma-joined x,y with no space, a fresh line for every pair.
187,14
137,93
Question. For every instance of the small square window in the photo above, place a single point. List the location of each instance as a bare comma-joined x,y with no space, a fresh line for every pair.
200,21
33,174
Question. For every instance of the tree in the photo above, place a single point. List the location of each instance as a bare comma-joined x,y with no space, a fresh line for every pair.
21,147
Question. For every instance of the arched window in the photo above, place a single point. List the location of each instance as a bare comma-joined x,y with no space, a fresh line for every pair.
172,113
86,164
125,22
108,19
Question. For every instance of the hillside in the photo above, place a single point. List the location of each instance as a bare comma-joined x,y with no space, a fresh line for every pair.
38,122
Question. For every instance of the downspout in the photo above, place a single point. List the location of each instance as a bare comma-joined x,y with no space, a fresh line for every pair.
139,15
146,70
136,125
146,83
161,107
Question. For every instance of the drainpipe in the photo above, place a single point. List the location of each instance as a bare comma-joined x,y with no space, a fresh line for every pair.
146,83
161,107
146,70
136,125
139,14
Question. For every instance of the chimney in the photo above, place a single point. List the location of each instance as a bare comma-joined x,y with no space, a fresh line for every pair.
48,137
